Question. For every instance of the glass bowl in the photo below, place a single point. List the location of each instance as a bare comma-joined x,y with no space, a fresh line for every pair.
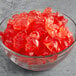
38,63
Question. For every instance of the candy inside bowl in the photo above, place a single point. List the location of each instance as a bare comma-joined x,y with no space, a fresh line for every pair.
37,40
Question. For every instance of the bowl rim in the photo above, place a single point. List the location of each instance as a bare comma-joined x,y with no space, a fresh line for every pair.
39,56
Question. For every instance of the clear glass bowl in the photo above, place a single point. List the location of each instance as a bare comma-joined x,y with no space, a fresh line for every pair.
33,62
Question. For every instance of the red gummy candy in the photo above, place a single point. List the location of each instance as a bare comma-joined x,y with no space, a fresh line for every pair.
9,43
43,50
9,32
63,31
31,46
35,14
51,44
50,27
37,34
47,10
10,22
19,41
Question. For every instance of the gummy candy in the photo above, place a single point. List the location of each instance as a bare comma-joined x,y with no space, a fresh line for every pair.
37,34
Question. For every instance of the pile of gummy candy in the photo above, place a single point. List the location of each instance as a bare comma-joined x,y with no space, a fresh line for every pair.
37,33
